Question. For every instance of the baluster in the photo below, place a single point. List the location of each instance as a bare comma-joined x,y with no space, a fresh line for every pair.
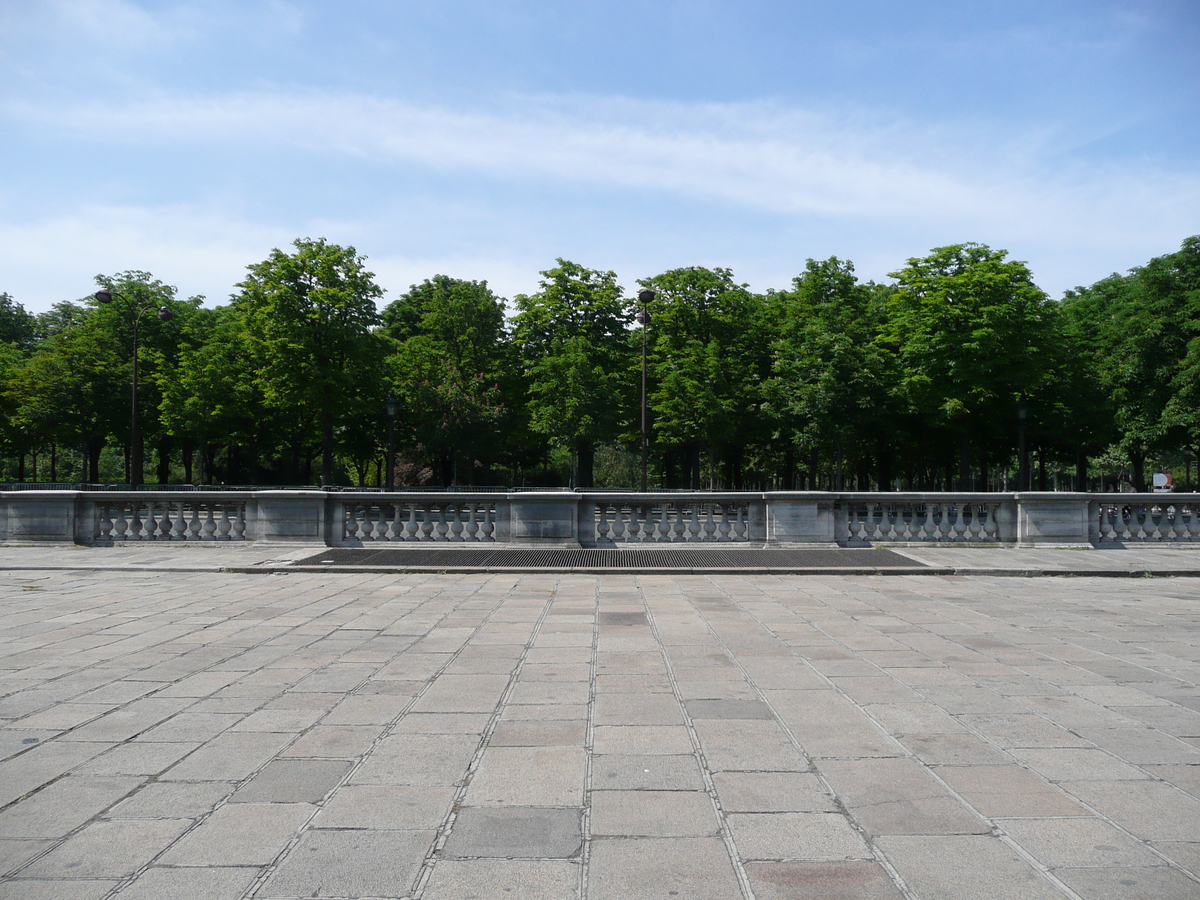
601,520
239,521
180,526
164,523
1193,523
487,529
929,524
411,526
618,531
878,516
679,524
739,523
135,522
151,523
120,525
1141,516
349,522
724,526
710,525
692,530
472,527
104,526
662,531
959,533
456,525
224,526
210,526
891,515
902,527
442,527
195,524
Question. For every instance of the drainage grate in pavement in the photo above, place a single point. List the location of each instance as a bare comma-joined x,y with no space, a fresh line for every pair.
658,558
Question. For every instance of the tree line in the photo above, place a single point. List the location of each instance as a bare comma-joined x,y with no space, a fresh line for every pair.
928,382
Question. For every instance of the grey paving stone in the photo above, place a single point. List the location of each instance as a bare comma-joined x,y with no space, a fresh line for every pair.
954,750
1078,842
1158,883
549,692
418,759
515,831
728,709
965,867
661,869
137,758
544,733
61,807
772,792
64,889
108,849
1009,791
213,883
529,776
665,740
1152,810
14,853
350,864
796,835
646,772
1078,764
541,713
334,742
240,834
653,814
637,709
386,806
895,796
442,723
632,684
173,800
293,781
227,757
748,745
484,879
848,880
42,764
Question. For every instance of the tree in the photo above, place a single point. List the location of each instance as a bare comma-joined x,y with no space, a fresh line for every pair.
452,371
829,376
972,334
311,316
709,357
18,328
1145,331
573,339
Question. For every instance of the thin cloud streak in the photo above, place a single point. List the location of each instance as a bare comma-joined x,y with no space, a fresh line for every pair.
754,155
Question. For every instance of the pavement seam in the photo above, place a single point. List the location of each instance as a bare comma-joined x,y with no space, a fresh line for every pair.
880,857
432,857
997,828
589,745
710,786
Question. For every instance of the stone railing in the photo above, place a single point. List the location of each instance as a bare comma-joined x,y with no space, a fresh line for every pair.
610,519
600,518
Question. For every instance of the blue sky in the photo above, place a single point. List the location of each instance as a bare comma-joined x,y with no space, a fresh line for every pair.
484,139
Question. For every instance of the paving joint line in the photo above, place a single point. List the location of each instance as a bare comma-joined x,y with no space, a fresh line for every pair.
589,746
739,870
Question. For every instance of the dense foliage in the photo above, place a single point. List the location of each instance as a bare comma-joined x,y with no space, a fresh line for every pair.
913,384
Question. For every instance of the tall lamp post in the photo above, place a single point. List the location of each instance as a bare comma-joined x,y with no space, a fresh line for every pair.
135,309
1022,450
389,480
645,297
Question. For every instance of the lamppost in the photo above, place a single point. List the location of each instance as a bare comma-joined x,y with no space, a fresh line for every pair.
645,297
1022,450
390,478
136,309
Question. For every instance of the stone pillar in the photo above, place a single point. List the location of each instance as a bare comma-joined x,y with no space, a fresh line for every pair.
544,518
1052,519
796,519
296,517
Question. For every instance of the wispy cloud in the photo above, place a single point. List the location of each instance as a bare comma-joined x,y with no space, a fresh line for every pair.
756,155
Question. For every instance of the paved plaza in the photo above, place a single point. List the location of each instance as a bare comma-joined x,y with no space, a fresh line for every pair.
170,730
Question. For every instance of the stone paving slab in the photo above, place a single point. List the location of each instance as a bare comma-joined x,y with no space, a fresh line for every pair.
423,737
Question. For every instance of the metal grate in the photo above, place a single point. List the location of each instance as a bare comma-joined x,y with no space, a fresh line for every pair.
660,558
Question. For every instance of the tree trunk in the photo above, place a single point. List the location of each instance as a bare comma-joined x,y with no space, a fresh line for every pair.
53,461
1042,469
1137,462
94,448
1081,470
164,461
585,452
326,448
789,467
188,454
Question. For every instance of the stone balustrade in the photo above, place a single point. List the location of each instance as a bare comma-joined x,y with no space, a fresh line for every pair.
601,518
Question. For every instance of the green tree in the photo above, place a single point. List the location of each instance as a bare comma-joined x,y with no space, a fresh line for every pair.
972,334
311,317
1144,331
709,358
452,372
829,375
573,339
